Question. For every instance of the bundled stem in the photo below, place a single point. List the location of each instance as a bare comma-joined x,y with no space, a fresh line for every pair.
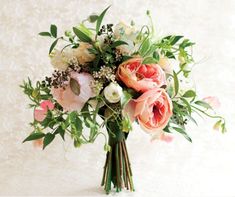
117,168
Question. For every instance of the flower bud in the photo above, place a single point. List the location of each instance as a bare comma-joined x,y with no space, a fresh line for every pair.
113,93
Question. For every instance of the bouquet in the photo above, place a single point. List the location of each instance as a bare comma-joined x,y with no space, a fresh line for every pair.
106,78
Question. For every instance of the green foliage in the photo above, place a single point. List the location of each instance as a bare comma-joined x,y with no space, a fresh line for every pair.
82,35
34,136
100,19
49,137
176,83
53,45
45,34
53,30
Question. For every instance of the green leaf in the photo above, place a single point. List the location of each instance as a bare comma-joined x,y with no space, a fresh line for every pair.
53,45
85,30
223,128
92,18
100,19
149,60
49,137
75,87
186,43
156,56
189,94
126,97
77,143
81,35
144,47
203,104
118,43
48,119
175,39
182,131
45,34
53,30
170,55
187,105
61,131
34,136
76,123
176,83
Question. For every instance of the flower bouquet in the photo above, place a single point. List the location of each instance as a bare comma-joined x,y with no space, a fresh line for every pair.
107,77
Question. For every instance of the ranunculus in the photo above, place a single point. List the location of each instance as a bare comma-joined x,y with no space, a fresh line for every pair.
141,77
60,59
113,93
68,99
40,114
153,110
82,54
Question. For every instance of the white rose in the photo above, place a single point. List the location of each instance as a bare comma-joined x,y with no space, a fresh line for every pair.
113,93
60,60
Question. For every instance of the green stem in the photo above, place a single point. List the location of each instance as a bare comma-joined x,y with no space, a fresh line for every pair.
211,116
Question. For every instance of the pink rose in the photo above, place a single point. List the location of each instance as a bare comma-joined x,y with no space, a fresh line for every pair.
212,101
141,77
152,109
40,114
68,99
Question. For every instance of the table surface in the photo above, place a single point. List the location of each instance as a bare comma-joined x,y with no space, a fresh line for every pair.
204,168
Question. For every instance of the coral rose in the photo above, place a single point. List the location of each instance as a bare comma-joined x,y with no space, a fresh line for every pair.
71,101
153,110
141,77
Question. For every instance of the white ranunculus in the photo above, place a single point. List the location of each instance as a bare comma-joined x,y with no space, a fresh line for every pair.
113,93
60,60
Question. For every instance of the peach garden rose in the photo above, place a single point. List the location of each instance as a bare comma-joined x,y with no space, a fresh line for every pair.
153,110
141,77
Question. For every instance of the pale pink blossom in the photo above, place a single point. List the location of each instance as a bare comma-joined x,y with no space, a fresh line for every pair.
212,101
68,99
40,114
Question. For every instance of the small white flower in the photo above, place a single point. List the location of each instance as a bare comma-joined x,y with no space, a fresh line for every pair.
113,93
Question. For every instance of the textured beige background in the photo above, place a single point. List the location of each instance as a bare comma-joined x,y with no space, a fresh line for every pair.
204,168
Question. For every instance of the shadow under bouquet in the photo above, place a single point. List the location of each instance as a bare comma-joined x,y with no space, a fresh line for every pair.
106,77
